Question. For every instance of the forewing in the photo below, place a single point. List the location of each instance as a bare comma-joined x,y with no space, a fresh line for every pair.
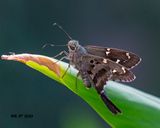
125,58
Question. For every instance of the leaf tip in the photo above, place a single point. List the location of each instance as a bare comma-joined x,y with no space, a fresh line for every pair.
4,57
39,59
15,57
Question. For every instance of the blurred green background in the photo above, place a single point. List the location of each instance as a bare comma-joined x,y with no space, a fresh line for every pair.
25,25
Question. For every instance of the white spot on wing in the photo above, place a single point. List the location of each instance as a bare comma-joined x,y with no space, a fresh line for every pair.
124,70
114,71
108,51
117,61
127,54
104,60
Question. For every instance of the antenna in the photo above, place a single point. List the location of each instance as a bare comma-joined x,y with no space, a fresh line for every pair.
52,45
60,27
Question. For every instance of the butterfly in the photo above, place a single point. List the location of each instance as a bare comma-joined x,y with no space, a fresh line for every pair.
96,65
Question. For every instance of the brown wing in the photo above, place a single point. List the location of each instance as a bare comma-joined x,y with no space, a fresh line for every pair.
102,69
125,58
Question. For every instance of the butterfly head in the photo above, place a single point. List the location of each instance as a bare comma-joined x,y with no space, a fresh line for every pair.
73,45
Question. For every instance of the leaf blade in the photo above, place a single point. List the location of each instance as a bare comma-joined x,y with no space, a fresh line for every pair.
139,109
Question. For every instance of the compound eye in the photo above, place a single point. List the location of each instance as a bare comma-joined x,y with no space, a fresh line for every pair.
72,47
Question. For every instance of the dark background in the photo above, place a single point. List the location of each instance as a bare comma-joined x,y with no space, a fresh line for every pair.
25,25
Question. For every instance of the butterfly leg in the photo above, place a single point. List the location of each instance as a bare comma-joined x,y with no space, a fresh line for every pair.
64,57
66,70
61,53
76,82
113,108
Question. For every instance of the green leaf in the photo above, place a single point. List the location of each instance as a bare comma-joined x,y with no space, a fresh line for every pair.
139,109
